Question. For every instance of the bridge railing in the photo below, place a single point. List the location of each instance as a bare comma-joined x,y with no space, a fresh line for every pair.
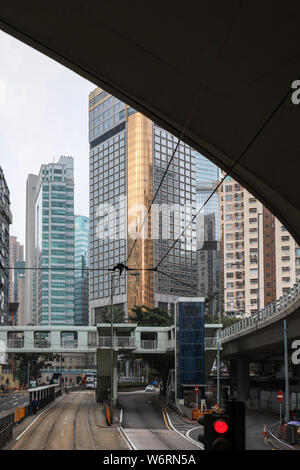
270,310
210,343
118,342
148,344
42,343
15,343
69,343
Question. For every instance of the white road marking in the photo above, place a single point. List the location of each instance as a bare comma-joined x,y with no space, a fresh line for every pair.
19,437
185,437
190,430
129,441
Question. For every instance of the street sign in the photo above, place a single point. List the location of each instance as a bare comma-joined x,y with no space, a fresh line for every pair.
280,395
196,389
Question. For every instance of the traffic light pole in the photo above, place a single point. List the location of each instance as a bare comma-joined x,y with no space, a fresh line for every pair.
111,349
218,369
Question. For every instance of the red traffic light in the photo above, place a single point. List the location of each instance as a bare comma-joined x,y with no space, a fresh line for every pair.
220,427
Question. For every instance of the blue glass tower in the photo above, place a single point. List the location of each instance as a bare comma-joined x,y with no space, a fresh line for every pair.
209,254
81,304
190,348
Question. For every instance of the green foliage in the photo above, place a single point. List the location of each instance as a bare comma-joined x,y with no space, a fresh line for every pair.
118,315
228,321
36,363
146,316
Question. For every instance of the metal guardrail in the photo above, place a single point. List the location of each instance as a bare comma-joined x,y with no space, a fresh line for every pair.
148,344
69,343
210,343
278,436
6,429
270,311
118,342
16,343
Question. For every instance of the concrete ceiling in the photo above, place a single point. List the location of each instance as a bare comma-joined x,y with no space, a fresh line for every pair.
223,68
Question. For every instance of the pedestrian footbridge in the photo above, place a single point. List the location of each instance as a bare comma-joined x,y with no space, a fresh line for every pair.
127,337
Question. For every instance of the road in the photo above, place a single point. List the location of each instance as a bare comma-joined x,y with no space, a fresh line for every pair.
69,424
11,400
147,424
255,420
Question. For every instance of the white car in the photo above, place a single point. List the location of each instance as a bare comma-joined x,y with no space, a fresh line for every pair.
150,388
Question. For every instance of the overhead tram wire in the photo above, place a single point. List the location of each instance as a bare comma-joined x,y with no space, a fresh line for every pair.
204,82
228,172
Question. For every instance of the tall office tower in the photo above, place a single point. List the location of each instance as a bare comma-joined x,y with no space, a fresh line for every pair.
50,244
21,298
261,260
209,234
81,281
5,220
128,157
19,270
16,253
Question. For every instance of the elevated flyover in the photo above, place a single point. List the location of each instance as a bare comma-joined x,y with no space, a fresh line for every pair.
261,335
260,338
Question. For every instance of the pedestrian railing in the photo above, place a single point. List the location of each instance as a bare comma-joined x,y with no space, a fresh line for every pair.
16,343
118,342
6,429
69,343
271,310
148,344
42,343
210,343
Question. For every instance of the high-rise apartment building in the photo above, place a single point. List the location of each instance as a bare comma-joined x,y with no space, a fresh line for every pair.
128,157
81,280
16,254
261,260
5,221
50,245
209,234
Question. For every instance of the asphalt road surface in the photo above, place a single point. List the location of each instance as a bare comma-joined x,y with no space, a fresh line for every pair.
255,420
146,424
10,401
69,424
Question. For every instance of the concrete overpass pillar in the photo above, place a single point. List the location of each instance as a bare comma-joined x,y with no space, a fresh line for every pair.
242,369
103,375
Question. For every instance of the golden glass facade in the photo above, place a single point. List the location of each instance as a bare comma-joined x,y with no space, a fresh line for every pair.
140,193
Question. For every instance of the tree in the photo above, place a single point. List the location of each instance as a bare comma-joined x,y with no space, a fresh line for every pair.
36,363
118,315
228,321
147,316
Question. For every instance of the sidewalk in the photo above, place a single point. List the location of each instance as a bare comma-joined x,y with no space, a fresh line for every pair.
100,416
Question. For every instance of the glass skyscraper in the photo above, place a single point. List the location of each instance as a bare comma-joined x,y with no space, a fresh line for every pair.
209,252
128,156
52,250
81,296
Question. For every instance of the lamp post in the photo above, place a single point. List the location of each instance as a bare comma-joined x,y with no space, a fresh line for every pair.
111,343
111,346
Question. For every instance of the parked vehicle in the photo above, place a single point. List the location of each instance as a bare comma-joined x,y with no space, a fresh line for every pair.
150,388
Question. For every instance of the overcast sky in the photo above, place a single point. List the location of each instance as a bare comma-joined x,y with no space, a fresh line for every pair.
43,115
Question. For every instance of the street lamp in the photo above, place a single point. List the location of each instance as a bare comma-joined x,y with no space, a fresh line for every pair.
111,343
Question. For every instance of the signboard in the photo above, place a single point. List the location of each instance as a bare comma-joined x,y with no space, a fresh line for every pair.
280,395
32,384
